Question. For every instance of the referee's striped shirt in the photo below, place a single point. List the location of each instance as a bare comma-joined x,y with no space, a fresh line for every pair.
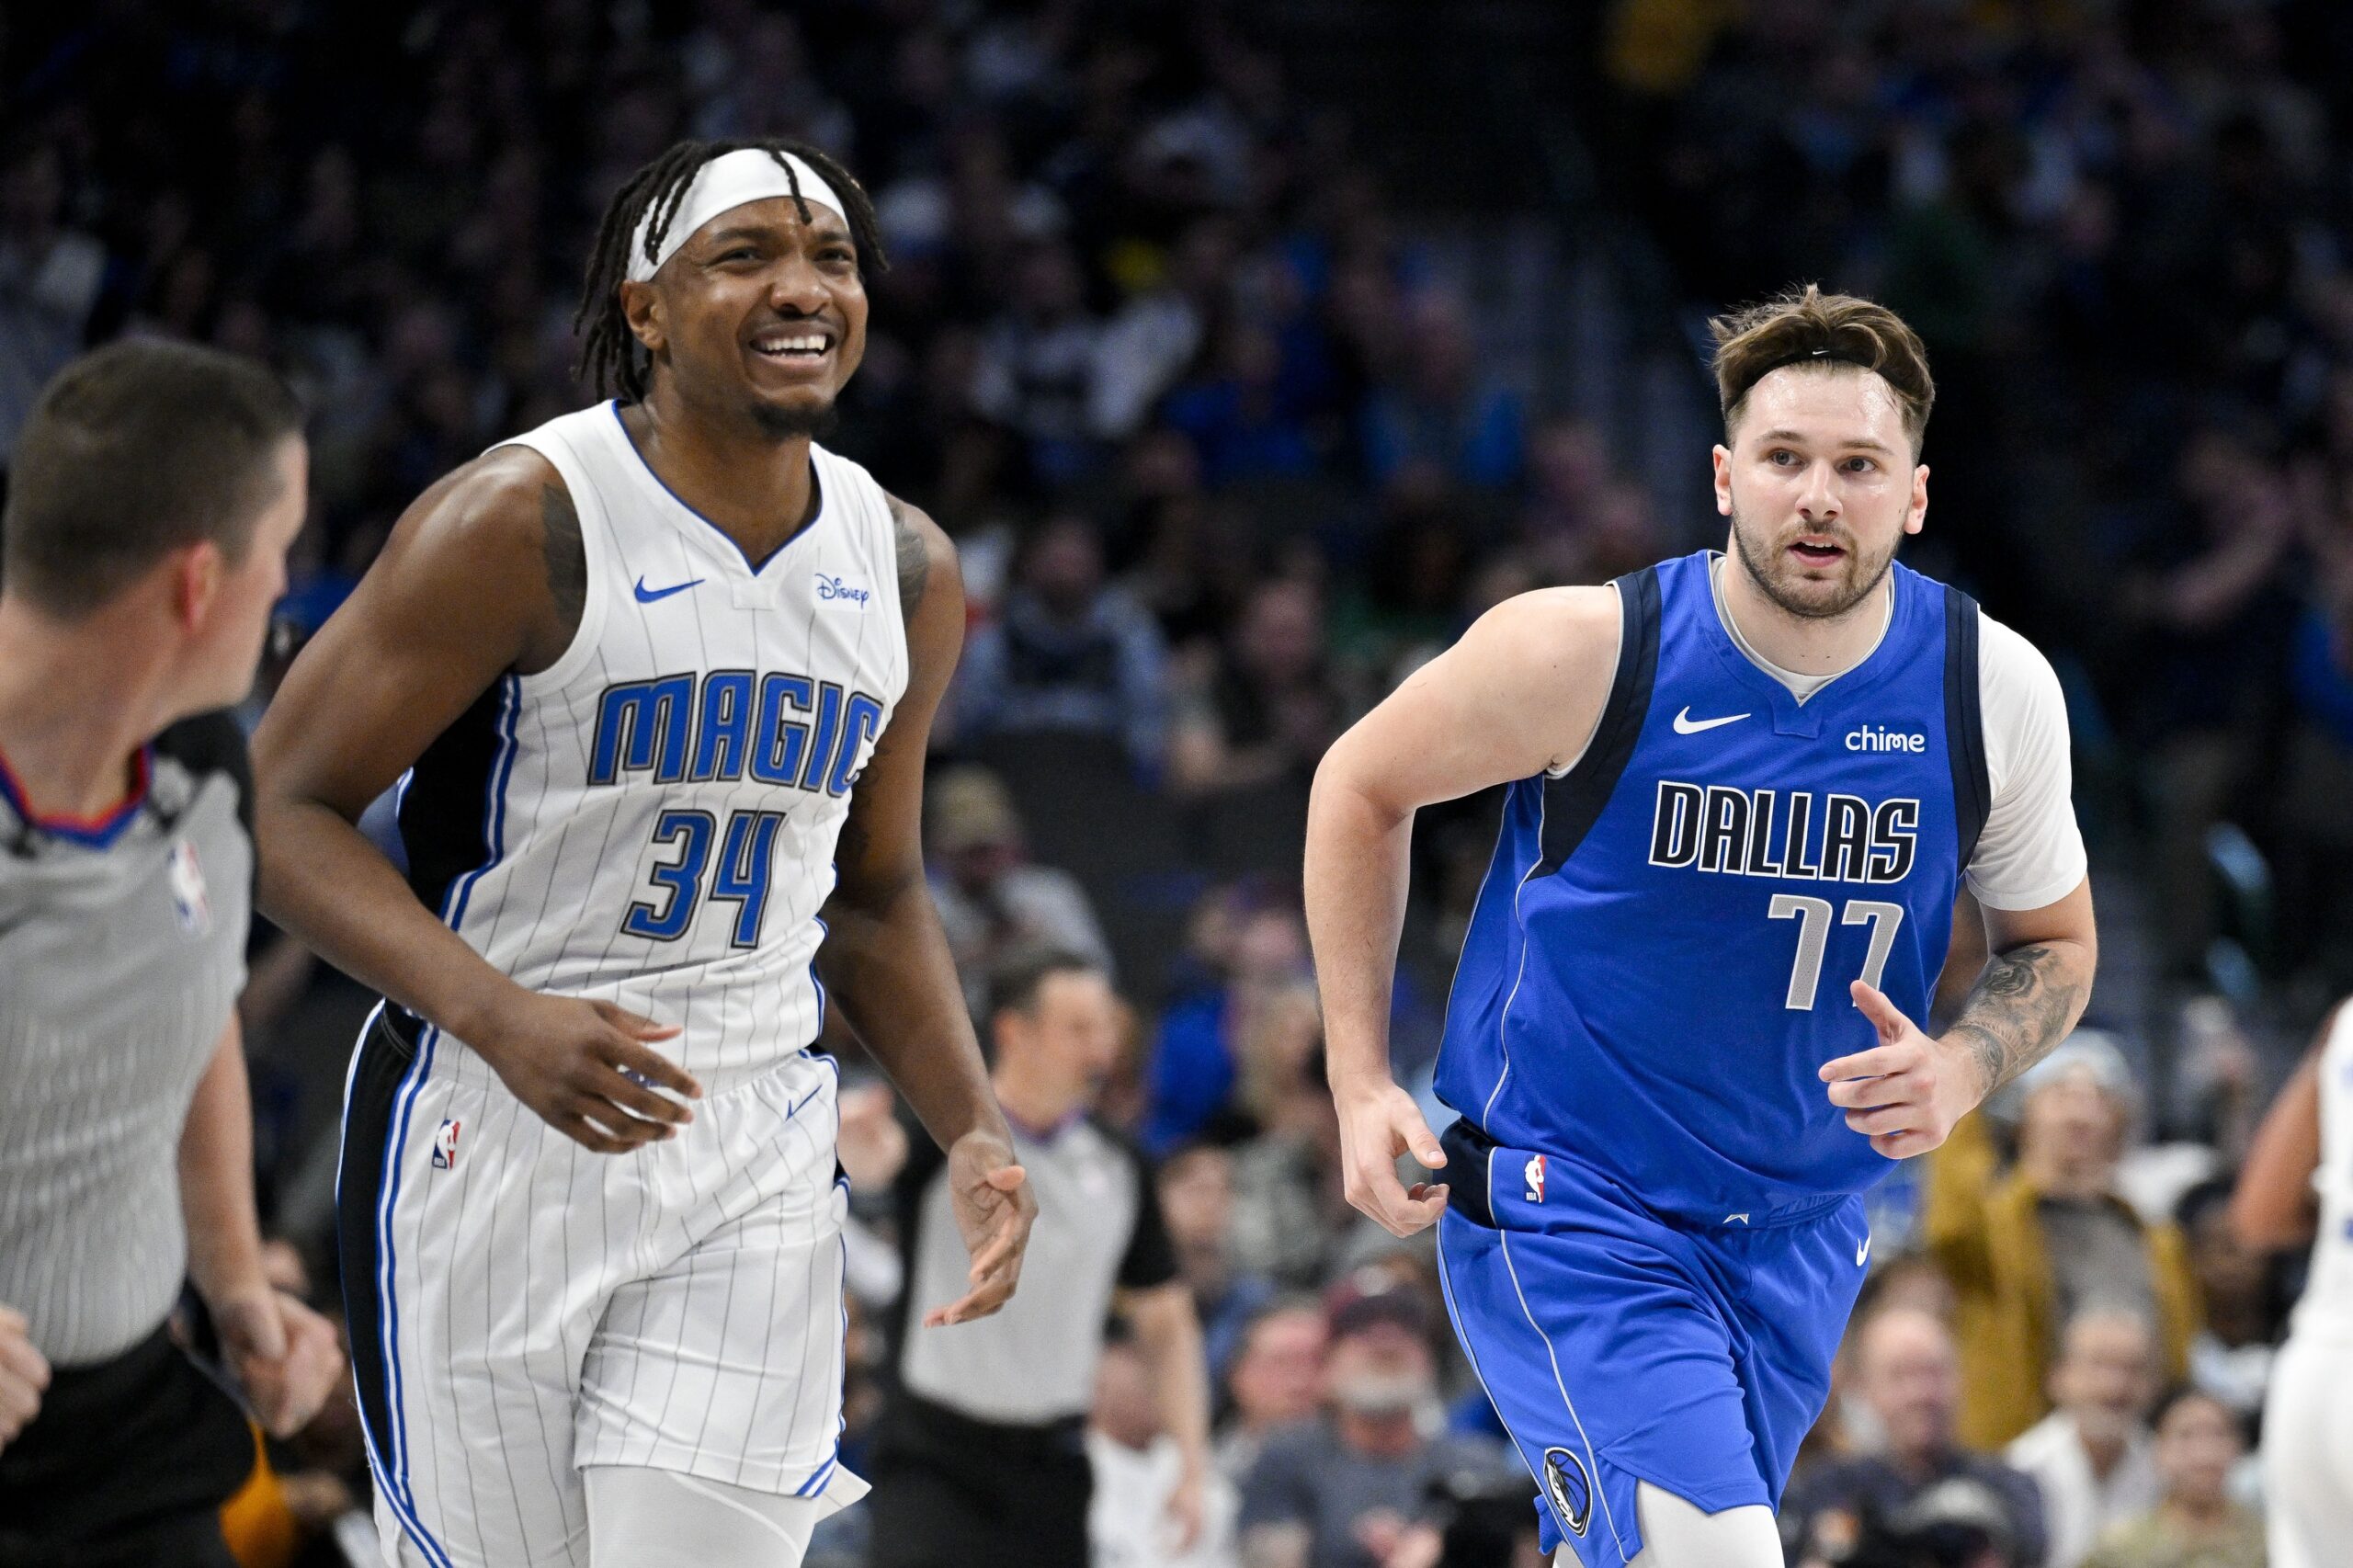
122,943
1098,1229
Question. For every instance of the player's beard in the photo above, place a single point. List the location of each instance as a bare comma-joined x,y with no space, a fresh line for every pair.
781,423
1769,567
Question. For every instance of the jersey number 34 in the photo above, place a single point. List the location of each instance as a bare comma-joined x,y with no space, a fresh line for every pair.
1812,915
745,852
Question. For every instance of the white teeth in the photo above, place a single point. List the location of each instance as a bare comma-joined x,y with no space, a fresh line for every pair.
792,346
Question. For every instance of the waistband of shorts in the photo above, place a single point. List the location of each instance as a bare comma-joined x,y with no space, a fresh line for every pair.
407,1032
1469,1146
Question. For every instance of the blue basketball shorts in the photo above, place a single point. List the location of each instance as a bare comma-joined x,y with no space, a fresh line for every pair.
1620,1345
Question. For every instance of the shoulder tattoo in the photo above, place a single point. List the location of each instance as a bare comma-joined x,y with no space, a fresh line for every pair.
566,557
915,558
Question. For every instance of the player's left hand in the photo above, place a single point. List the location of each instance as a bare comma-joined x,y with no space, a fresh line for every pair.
1908,1091
995,1208
284,1354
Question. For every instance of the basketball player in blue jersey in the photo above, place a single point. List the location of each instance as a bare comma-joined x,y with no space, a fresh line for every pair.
655,681
1744,791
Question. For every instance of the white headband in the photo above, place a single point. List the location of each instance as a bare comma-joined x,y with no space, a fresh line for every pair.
728,181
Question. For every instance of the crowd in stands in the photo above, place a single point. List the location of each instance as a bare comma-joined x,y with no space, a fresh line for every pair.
1224,462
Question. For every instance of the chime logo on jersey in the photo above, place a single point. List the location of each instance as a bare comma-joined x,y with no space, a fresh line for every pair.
1534,1175
1570,1488
445,1146
189,901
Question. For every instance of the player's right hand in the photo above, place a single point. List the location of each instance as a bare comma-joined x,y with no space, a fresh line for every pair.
585,1069
24,1373
1379,1123
994,1208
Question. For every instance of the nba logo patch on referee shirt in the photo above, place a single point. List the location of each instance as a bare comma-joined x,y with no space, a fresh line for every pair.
1535,1174
189,901
445,1146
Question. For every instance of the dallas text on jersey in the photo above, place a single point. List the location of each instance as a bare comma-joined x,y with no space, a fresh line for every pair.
1718,827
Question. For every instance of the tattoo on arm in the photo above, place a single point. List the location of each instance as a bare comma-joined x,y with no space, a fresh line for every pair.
915,558
2019,1008
566,557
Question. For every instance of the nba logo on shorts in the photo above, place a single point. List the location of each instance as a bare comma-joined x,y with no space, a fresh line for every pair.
188,898
445,1146
1535,1174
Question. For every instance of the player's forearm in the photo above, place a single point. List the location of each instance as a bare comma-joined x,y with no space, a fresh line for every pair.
2023,1004
885,963
1170,1338
1355,879
323,880
2272,1206
216,1169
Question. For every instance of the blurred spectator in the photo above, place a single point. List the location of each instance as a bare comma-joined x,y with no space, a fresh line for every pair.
50,278
2091,1456
2197,1524
1246,947
2210,602
1147,345
1291,1219
1238,412
1137,1467
1068,653
1908,1376
1197,1199
1268,706
1275,1381
1037,364
1439,409
1342,1492
2028,1248
2244,1300
992,901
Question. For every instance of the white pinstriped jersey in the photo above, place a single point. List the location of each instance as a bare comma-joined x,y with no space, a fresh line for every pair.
651,820
2325,1309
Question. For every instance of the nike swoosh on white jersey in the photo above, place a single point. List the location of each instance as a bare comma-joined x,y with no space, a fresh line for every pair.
1687,725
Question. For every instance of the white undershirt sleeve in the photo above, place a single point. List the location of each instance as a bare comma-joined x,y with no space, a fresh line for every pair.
2030,853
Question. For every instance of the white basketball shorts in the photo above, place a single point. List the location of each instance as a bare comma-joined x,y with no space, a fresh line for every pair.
521,1308
2308,1450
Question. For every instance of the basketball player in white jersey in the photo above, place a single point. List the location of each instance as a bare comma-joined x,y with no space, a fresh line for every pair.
2297,1187
655,679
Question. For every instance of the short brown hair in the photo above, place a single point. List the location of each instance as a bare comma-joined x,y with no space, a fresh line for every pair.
140,449
1809,326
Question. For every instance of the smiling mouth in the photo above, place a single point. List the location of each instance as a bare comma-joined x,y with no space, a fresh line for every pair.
793,347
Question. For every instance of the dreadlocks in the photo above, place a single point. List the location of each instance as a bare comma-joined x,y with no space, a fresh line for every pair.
609,359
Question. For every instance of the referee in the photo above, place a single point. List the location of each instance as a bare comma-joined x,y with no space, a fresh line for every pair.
156,488
981,1459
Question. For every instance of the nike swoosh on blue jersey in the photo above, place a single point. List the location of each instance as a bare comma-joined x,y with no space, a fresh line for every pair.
646,596
1687,725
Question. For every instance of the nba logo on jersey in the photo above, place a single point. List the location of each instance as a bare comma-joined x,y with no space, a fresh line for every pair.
1535,1174
188,899
445,1146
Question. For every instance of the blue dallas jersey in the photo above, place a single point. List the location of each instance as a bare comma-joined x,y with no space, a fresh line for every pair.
1658,964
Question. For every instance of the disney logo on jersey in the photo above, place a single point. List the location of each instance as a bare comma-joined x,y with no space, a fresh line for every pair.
726,725
1765,833
835,588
